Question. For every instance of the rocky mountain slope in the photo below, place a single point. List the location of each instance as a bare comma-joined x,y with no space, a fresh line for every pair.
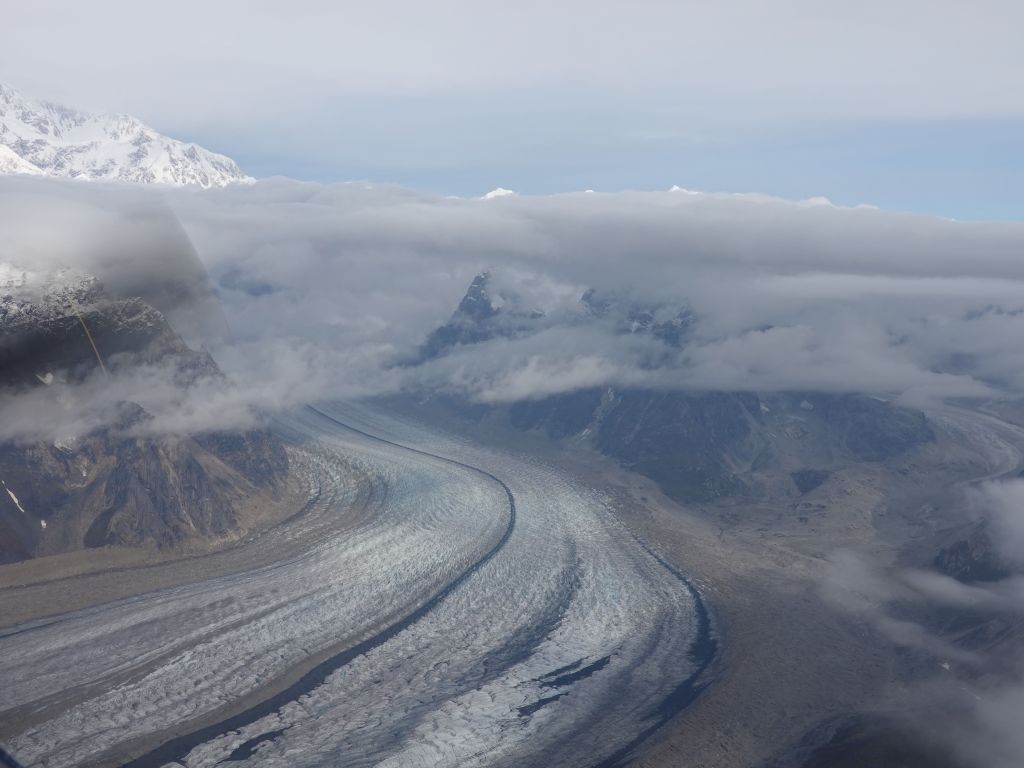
37,137
696,445
119,483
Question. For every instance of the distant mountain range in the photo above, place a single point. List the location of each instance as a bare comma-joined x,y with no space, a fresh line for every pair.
41,138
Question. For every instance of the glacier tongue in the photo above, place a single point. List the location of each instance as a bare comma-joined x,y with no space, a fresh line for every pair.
38,137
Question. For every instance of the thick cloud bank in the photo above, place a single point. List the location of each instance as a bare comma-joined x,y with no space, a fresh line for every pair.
327,288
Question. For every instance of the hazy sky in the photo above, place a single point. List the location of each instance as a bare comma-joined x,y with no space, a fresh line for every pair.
907,104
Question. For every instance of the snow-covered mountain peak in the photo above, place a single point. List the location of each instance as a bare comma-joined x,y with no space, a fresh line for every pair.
42,137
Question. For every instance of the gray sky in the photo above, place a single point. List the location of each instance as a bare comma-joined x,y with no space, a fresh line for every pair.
906,104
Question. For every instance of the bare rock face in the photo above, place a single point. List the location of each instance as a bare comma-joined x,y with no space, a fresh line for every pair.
120,484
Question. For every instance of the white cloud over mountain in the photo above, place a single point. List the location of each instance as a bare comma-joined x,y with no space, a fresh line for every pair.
326,288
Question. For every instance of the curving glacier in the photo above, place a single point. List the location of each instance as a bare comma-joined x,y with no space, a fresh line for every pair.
486,609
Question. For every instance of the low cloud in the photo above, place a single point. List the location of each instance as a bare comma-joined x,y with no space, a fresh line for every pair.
326,289
1002,504
972,703
788,296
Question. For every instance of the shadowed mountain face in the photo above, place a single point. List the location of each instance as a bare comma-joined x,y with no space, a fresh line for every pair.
703,445
695,445
119,483
46,325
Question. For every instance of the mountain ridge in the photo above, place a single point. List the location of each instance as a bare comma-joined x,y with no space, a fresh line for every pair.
43,138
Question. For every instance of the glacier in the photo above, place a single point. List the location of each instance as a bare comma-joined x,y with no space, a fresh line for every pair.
484,609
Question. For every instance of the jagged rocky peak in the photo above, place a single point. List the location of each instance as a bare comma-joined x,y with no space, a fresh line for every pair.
476,304
42,138
596,304
489,309
490,294
511,306
30,297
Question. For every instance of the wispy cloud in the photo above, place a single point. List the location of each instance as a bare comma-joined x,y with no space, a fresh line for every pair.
971,700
